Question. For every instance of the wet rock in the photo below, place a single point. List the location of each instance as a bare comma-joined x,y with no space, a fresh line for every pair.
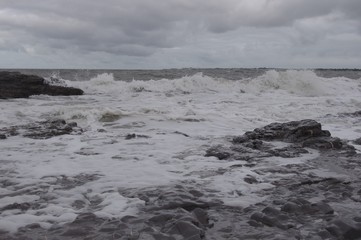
162,236
250,179
298,135
133,135
306,132
201,216
218,152
187,230
301,206
161,219
323,143
290,207
42,130
17,85
21,206
343,230
264,219
323,208
254,144
288,152
295,131
354,114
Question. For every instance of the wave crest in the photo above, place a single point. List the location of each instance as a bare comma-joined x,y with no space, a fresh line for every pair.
299,82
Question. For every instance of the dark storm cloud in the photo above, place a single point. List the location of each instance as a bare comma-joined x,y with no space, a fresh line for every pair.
144,27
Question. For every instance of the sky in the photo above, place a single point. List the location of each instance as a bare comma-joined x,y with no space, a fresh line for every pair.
156,34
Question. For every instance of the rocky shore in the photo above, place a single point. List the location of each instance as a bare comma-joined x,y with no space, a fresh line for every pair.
17,85
41,130
300,205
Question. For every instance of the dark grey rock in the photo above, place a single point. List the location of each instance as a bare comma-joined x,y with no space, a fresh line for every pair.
323,208
22,206
290,207
343,230
201,216
162,236
161,219
43,130
288,152
306,132
17,85
187,230
250,179
218,152
264,219
2,136
133,135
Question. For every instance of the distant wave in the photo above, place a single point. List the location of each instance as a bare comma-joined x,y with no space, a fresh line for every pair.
300,82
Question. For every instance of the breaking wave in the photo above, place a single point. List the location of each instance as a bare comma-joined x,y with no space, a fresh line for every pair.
299,82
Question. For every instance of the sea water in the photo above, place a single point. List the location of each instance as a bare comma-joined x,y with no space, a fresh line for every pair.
176,115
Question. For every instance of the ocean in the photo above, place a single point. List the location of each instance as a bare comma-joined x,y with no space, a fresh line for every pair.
175,115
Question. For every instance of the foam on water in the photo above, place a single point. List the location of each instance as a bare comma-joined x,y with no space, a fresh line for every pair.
176,121
300,82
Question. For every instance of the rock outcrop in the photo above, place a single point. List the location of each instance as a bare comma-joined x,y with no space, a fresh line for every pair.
299,135
17,85
41,130
301,204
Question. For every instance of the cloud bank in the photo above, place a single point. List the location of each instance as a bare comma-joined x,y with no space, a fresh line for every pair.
180,33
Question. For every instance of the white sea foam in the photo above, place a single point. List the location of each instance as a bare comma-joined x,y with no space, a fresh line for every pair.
163,112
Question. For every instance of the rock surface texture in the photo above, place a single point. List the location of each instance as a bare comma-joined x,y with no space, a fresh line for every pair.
17,85
301,204
41,130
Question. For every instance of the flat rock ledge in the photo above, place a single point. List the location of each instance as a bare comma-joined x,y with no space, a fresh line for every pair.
300,205
17,85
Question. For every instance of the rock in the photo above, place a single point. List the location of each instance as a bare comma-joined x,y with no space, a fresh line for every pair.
357,141
323,208
323,143
162,236
201,216
301,206
2,136
218,152
290,207
133,135
257,144
187,230
17,85
343,230
161,219
304,133
263,218
254,144
42,130
22,206
288,152
294,131
250,179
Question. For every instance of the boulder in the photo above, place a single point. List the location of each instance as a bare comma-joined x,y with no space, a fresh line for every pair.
17,85
306,133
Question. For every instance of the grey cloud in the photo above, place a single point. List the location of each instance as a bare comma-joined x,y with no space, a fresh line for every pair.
141,28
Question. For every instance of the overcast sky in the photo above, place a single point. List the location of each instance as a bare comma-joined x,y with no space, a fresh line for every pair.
180,33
